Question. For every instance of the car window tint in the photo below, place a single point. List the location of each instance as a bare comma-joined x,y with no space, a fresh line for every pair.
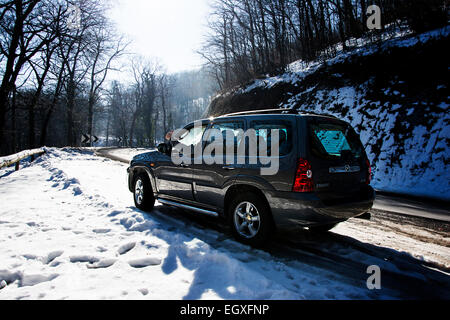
334,140
235,127
193,136
264,129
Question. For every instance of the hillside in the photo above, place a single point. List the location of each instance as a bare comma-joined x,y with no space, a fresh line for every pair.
395,94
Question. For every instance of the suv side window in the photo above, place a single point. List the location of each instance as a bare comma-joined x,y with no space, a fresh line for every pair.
263,129
234,126
193,136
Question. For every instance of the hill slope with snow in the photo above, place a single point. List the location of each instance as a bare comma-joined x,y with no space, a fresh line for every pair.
395,94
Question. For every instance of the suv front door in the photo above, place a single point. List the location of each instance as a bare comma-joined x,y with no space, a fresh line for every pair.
175,181
210,179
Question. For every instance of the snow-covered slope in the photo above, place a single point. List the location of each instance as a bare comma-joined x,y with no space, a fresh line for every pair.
396,96
69,230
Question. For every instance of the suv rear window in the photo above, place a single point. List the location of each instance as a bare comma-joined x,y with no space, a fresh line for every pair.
334,140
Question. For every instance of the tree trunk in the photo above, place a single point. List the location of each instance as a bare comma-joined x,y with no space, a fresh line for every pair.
70,109
3,105
132,127
108,121
31,127
91,103
44,128
13,122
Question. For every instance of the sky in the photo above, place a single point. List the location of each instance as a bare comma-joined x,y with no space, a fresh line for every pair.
170,30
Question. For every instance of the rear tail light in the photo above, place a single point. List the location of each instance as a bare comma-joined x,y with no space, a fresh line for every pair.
303,177
369,172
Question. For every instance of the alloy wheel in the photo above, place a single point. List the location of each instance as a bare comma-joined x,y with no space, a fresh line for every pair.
247,220
139,191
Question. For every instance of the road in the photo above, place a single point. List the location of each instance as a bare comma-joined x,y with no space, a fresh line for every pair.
394,204
410,207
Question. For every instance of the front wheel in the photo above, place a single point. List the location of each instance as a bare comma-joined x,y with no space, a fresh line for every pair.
250,219
143,193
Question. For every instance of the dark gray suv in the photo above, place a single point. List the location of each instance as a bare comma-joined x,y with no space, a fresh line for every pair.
323,176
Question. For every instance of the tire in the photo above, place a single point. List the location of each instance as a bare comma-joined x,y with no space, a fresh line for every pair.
322,228
143,193
248,207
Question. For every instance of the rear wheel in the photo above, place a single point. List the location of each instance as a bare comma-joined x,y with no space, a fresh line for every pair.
323,228
250,219
143,193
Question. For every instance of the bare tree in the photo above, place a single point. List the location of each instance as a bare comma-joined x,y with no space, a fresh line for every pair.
25,28
105,48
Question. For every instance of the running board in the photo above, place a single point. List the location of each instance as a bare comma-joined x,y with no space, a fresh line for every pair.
187,207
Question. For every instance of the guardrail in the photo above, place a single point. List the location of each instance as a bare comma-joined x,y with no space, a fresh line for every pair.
16,158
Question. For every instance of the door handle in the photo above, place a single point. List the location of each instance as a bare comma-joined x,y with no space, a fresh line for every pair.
229,168
184,165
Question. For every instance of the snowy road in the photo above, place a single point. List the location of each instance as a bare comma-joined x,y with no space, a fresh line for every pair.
69,230
411,207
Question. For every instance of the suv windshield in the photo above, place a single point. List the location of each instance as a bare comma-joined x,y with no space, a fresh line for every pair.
334,140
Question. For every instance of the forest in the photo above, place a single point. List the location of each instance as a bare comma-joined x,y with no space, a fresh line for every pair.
55,60
56,57
252,38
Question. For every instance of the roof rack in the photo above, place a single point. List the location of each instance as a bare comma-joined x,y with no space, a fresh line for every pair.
310,113
277,111
263,111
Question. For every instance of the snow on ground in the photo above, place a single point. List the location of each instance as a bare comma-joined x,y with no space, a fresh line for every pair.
69,230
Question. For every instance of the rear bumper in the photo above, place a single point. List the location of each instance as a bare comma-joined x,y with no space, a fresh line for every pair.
308,209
